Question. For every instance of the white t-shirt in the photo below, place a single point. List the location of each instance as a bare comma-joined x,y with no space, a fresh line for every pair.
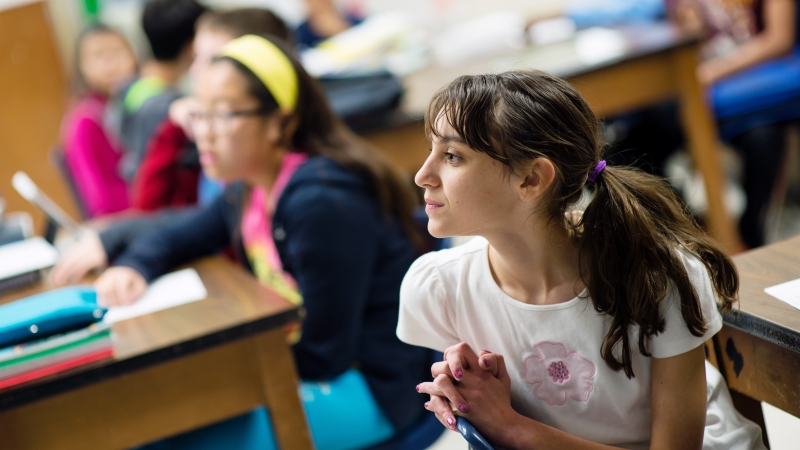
552,352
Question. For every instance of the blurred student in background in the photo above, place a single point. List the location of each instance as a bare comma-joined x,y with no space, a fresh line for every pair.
170,175
318,216
141,105
324,20
736,36
104,60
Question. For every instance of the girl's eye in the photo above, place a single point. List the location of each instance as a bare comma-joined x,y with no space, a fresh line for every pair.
452,158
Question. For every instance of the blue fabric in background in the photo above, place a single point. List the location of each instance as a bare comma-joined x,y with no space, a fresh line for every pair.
208,189
306,37
342,414
765,94
251,431
600,13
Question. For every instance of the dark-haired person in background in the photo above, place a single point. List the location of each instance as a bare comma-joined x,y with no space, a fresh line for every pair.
141,105
314,213
170,175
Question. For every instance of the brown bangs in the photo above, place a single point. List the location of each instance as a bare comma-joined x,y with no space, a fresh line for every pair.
470,105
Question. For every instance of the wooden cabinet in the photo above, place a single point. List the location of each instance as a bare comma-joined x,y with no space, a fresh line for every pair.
33,97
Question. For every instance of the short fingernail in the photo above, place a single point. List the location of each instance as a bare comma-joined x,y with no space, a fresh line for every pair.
463,407
486,362
426,404
486,351
458,374
417,388
450,421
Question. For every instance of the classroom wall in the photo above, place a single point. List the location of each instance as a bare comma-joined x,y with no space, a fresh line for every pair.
33,96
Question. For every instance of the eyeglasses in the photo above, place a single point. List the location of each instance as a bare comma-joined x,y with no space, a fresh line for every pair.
219,121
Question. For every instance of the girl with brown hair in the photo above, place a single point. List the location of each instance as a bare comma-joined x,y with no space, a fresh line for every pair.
593,321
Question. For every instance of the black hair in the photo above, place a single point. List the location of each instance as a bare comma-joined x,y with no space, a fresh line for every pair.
169,26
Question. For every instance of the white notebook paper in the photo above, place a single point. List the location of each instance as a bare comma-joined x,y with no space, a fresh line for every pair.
788,292
26,256
168,291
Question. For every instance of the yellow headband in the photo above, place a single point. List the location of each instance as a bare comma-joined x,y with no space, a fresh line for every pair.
270,65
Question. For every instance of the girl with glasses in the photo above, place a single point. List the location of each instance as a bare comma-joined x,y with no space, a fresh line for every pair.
315,214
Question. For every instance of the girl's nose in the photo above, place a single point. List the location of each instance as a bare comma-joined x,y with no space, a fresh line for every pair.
427,177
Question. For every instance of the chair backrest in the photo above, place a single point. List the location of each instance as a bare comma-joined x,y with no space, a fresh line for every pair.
472,436
59,161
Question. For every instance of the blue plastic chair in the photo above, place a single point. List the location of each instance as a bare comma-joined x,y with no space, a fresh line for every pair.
767,93
471,435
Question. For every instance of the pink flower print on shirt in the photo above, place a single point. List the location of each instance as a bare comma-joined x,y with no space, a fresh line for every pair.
557,374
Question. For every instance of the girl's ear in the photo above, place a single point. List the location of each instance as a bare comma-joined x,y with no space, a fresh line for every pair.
536,179
279,128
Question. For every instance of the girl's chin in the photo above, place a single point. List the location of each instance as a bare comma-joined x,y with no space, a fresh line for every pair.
212,172
437,231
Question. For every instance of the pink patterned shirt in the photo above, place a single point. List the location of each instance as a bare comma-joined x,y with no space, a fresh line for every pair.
257,232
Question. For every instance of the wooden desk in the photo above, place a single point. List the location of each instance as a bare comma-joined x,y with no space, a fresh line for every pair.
659,63
759,347
173,371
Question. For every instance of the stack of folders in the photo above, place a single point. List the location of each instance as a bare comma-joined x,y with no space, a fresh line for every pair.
54,354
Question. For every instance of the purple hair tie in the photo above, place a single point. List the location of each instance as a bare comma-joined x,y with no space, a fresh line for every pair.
597,170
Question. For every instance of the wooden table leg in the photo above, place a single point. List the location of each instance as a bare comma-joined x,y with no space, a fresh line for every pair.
280,385
701,135
738,365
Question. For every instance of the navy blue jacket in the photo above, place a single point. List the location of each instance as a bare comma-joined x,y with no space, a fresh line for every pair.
348,260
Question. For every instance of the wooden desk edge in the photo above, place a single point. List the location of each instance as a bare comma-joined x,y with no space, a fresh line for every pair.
15,397
763,329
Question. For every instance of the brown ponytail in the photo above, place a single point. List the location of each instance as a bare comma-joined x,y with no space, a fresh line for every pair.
629,235
634,225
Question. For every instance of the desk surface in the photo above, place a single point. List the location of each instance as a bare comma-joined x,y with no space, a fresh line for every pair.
237,306
759,313
561,59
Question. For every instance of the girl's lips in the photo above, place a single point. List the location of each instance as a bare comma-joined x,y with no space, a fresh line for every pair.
431,205
207,158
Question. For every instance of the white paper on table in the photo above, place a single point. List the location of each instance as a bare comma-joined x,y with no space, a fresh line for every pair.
25,256
168,291
596,45
788,292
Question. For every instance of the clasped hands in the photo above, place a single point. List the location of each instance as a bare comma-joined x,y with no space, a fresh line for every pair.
475,386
